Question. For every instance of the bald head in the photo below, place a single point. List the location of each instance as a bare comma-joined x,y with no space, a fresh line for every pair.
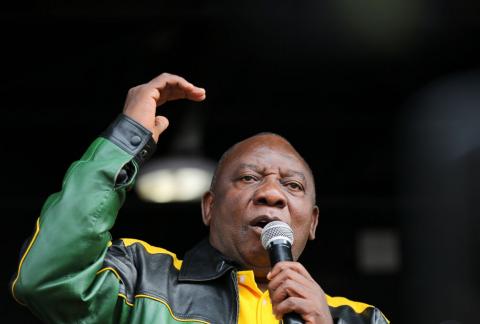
266,139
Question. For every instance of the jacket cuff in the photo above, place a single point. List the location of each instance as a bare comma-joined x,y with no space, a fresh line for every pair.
132,137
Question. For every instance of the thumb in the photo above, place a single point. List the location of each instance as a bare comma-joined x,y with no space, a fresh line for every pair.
161,124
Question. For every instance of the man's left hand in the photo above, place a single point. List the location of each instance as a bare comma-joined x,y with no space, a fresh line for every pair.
292,289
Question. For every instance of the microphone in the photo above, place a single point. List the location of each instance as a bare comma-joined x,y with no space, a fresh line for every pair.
277,239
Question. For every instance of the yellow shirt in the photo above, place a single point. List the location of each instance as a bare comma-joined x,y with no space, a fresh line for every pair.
255,305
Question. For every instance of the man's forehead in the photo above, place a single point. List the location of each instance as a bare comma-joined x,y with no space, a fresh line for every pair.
270,147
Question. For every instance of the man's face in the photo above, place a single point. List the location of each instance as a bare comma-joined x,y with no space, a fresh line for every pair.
261,180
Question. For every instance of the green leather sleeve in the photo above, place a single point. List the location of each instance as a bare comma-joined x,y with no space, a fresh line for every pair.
57,275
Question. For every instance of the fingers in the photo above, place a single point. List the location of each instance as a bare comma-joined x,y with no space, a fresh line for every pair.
290,283
161,124
310,312
292,304
173,87
164,78
288,265
292,289
142,101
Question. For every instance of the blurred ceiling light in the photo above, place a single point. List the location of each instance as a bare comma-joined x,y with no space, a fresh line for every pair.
185,174
175,179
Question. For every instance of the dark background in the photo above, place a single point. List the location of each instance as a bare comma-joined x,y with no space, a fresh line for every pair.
345,81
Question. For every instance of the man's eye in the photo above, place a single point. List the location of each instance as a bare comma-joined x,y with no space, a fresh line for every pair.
248,178
294,186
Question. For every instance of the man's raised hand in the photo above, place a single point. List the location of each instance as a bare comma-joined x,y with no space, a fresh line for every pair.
142,101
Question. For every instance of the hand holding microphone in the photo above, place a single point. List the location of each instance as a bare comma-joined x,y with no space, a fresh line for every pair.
277,239
295,295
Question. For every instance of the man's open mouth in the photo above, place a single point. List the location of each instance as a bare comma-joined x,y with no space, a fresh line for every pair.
262,221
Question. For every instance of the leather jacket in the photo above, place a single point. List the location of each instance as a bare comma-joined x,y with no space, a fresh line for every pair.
204,287
71,272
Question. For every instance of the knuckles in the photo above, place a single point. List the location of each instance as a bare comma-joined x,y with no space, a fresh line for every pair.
136,89
289,274
285,265
142,90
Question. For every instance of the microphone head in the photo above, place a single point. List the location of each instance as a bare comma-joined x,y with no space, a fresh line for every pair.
276,230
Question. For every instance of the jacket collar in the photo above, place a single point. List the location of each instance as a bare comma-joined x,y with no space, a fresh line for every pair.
203,262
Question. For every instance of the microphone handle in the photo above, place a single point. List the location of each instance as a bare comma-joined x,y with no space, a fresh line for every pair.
278,251
282,251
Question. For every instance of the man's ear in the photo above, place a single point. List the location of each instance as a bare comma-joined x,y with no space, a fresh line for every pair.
207,203
313,225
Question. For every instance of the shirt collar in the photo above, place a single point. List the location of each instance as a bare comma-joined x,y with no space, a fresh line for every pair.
203,262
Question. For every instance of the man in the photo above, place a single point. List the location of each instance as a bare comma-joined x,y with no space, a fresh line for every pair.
70,271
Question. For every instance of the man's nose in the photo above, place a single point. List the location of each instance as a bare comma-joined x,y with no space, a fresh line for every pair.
270,194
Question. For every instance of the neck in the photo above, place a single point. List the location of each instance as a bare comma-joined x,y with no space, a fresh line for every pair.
261,278
262,283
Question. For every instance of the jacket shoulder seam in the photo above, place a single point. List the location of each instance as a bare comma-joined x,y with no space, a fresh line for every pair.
150,249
